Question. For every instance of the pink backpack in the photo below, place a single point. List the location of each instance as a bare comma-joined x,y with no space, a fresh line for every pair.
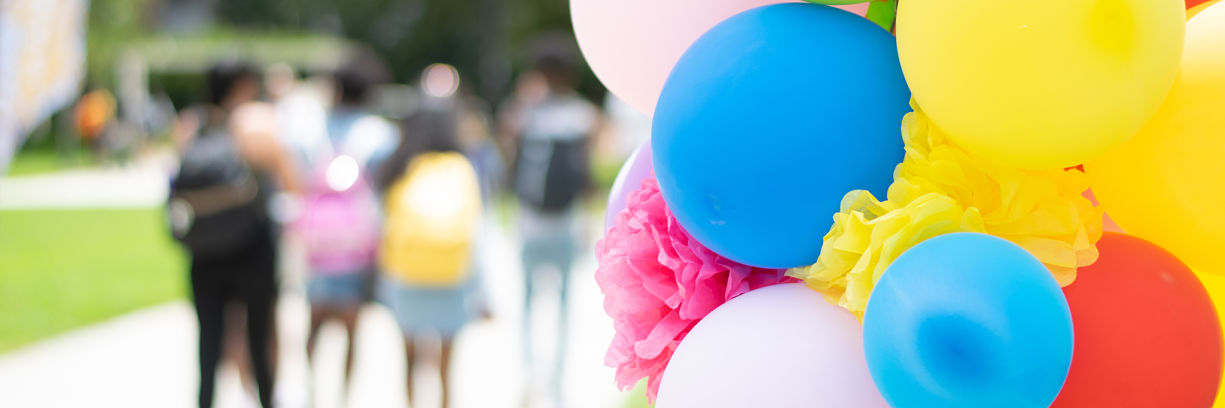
340,220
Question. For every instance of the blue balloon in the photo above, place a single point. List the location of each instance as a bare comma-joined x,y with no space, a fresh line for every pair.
768,120
968,320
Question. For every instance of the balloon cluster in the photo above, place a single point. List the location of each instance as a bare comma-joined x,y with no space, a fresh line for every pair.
749,261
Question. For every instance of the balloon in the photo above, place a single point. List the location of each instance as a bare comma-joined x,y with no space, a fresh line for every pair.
967,320
1147,334
1165,185
1198,6
781,346
631,45
768,120
858,8
636,168
1040,84
1215,284
1195,3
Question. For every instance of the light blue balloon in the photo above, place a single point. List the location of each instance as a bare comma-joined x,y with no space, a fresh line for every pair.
968,320
768,120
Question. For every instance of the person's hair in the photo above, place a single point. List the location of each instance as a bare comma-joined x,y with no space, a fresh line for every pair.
363,70
554,56
224,75
428,129
436,128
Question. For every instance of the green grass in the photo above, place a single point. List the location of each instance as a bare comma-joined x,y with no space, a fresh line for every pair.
637,398
604,171
61,269
35,161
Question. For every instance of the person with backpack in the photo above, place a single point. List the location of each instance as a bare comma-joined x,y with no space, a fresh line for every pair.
552,126
217,210
340,217
433,204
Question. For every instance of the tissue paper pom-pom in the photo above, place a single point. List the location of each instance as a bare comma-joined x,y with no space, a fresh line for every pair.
868,235
658,282
939,189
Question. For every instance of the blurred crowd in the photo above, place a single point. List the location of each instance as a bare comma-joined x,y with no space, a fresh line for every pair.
387,196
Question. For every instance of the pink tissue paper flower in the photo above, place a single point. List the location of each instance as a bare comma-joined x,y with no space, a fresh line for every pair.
658,281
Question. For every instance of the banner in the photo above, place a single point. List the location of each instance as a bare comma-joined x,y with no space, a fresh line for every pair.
42,61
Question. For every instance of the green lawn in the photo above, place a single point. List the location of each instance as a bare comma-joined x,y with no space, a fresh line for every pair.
637,398
61,269
37,161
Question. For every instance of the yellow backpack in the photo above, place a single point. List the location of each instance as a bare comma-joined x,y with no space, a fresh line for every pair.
433,213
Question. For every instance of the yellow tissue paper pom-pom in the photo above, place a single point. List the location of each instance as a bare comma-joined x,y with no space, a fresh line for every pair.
940,189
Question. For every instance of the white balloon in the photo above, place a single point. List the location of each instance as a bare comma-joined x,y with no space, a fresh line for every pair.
780,346
631,45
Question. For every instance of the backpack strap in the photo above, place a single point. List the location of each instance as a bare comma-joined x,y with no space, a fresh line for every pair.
214,199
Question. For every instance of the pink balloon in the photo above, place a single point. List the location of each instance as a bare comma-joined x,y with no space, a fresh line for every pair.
633,44
779,346
636,168
857,8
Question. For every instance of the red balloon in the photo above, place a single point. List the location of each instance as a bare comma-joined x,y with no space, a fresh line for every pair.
1193,3
1147,333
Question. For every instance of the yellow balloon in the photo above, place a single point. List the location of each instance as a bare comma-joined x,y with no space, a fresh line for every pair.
1040,84
1167,184
1216,289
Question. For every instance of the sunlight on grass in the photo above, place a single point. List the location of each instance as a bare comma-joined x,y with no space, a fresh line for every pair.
30,162
61,269
637,398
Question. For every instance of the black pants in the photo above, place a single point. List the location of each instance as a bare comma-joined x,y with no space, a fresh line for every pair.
248,277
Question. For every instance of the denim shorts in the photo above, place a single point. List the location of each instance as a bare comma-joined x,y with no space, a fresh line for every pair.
421,310
339,290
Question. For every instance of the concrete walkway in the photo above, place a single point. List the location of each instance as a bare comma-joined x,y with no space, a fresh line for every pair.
148,358
142,183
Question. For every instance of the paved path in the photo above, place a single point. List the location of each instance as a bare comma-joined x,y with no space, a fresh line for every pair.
148,358
142,183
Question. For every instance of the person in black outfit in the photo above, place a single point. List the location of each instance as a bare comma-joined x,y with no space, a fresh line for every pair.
217,210
248,277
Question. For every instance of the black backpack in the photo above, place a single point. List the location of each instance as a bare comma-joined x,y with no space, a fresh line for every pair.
216,206
551,174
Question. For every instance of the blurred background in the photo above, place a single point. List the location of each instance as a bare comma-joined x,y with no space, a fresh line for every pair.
127,128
